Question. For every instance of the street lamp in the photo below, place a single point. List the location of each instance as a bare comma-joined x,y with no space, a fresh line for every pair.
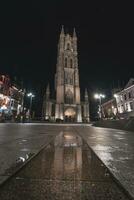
100,97
115,95
31,99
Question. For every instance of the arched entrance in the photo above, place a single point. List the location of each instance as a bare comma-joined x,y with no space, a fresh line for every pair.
70,115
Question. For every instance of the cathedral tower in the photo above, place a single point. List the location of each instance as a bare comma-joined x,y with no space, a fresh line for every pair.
68,104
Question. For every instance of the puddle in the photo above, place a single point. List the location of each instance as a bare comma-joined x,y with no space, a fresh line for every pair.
66,169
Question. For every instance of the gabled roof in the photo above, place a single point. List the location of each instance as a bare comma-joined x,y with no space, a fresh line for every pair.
130,83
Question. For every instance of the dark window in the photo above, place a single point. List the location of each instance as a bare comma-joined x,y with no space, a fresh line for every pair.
125,96
129,94
82,110
69,97
53,109
66,78
65,62
71,63
12,102
68,46
131,105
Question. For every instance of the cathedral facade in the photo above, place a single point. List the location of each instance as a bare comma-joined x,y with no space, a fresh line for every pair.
67,105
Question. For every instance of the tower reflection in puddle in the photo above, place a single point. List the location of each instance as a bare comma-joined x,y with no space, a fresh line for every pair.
68,156
68,162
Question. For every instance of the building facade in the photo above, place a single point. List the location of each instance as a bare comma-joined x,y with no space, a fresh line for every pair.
125,100
67,105
11,98
109,109
122,104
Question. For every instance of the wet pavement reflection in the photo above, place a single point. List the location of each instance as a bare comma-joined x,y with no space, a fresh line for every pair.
66,169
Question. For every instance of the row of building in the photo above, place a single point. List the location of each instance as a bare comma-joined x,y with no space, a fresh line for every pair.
11,98
122,103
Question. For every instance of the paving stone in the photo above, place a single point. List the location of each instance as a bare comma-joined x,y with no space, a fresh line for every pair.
66,169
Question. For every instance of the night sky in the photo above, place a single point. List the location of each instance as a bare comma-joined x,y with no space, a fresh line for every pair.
29,34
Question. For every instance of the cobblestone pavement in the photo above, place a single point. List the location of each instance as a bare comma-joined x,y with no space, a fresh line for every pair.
65,169
116,149
19,142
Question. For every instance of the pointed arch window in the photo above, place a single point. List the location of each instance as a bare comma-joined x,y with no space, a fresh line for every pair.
71,63
69,97
65,62
68,46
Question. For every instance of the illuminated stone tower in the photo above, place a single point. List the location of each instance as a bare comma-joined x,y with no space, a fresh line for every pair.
68,105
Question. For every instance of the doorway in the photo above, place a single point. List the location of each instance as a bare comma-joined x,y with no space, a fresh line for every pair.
70,115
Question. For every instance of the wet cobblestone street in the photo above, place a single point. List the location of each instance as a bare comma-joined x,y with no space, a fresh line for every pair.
66,169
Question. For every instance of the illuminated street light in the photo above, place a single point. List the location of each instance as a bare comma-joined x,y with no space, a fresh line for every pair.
96,96
31,99
115,95
30,95
100,97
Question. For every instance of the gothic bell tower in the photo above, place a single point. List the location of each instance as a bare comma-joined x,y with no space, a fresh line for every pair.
68,103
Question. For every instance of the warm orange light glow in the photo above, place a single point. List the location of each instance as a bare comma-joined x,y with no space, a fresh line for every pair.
70,112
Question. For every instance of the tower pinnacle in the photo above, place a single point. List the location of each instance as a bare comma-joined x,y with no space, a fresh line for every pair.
74,33
48,88
48,92
62,30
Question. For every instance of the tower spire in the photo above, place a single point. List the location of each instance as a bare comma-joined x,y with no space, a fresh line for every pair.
48,91
61,40
74,33
75,41
62,30
48,88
